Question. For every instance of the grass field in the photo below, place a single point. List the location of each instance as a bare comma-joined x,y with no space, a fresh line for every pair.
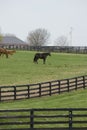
75,99
20,69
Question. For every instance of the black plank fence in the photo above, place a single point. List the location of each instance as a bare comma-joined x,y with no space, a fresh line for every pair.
42,89
40,119
64,49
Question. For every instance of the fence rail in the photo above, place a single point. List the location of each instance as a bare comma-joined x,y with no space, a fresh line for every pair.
42,89
64,49
38,119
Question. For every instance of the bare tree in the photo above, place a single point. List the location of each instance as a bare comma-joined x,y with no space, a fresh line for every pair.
38,37
62,41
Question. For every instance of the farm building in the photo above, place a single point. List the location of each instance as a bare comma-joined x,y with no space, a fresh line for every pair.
11,40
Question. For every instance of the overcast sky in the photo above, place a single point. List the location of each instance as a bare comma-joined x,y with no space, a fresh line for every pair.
59,17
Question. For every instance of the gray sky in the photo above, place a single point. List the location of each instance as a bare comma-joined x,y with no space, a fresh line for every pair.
19,17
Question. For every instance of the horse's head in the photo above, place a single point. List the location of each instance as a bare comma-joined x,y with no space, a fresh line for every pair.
35,59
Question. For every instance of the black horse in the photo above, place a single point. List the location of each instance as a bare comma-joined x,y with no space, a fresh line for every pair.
41,56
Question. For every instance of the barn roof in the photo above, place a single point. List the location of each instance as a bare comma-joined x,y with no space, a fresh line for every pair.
11,40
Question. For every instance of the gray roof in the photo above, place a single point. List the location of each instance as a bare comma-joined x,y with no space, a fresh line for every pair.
11,40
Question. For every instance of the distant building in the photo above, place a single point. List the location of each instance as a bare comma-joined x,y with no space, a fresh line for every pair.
12,40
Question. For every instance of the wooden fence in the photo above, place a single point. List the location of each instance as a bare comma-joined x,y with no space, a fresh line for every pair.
64,49
40,119
42,89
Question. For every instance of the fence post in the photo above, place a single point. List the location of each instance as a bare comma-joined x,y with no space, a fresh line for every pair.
68,84
59,86
70,119
28,91
39,90
84,82
76,83
14,92
32,118
0,94
50,88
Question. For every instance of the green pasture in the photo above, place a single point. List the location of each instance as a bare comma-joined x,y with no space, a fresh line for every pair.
75,99
20,69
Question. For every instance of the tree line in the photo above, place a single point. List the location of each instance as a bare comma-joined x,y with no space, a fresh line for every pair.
41,37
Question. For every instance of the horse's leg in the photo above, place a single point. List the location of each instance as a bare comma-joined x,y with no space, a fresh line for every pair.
6,55
44,61
1,54
37,61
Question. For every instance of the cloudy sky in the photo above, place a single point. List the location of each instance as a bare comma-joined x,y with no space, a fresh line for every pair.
59,17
